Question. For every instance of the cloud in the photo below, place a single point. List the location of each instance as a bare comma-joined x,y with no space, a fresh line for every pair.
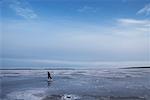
145,10
133,27
22,9
134,22
86,9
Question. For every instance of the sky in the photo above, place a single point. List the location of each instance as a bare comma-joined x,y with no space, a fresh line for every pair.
72,32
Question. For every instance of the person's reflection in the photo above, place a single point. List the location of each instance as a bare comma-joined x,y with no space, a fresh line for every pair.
49,83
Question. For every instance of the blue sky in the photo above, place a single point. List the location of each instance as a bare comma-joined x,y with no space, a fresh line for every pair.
71,31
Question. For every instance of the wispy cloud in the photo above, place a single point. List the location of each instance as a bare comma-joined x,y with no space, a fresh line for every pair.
145,10
23,9
126,21
87,9
133,27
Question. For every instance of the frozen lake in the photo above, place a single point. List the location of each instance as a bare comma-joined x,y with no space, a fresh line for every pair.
90,84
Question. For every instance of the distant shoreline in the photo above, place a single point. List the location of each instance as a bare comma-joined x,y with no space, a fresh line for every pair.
135,67
39,69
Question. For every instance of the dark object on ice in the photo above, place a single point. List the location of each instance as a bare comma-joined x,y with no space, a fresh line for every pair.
49,75
68,97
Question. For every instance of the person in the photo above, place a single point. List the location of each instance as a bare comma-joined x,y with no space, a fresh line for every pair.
49,75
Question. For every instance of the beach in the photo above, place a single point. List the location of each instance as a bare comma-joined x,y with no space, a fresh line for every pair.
83,84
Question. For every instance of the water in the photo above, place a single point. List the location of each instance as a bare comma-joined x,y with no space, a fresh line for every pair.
102,84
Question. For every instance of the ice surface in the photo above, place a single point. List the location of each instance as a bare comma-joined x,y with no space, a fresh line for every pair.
33,94
93,84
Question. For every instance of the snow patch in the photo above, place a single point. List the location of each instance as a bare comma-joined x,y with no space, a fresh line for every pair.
34,94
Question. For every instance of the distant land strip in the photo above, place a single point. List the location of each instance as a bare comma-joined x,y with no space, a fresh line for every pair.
134,67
